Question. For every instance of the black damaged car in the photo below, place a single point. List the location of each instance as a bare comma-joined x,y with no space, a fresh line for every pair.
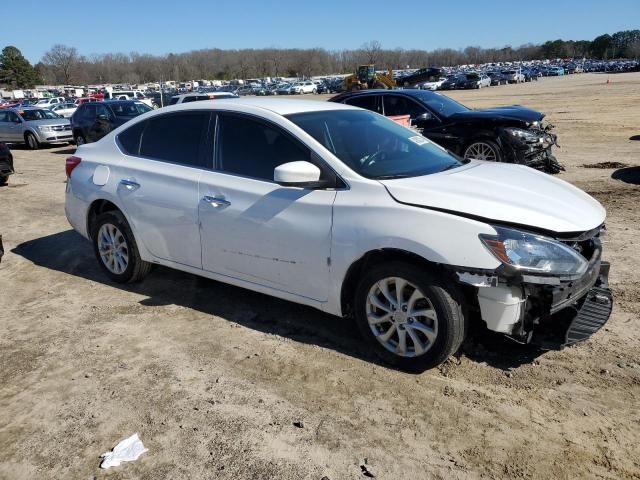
512,134
6,163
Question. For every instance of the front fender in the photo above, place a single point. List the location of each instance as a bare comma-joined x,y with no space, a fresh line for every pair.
367,219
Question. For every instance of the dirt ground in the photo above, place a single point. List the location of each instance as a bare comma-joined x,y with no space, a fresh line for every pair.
214,378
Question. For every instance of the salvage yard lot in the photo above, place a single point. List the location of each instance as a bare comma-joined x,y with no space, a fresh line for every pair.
213,377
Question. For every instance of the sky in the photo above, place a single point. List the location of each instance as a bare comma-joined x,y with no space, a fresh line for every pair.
161,27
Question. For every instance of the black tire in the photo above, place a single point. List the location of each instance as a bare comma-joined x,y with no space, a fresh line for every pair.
136,268
78,139
490,143
445,299
4,179
31,141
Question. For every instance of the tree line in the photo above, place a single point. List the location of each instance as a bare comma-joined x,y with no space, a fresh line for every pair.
63,64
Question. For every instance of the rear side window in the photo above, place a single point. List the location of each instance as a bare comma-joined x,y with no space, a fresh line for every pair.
398,105
368,102
130,138
177,138
254,149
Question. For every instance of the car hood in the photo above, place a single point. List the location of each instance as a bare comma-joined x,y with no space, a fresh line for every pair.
496,192
513,112
49,121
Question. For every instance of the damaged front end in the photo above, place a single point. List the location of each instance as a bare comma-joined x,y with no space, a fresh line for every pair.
550,310
531,146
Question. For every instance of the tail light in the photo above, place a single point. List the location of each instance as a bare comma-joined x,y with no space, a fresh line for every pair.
71,163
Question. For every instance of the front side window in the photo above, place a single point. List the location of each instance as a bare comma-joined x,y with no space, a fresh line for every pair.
176,138
374,146
251,148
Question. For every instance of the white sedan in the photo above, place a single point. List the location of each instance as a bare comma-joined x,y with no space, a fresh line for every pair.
343,210
64,109
435,85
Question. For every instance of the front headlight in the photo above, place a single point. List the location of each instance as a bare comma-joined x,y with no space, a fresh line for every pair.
526,135
44,128
533,253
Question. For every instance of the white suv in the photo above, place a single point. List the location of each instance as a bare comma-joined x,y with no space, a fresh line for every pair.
304,87
344,210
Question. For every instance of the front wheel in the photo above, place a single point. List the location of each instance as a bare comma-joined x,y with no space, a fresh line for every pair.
409,317
486,150
79,139
31,141
4,179
115,248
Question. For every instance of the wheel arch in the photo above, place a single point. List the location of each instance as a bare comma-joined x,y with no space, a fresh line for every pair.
373,257
98,207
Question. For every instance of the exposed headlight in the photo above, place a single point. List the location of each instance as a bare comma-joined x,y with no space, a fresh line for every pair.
533,253
44,128
527,135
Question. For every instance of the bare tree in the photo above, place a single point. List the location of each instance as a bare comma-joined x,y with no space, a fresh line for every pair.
63,60
372,50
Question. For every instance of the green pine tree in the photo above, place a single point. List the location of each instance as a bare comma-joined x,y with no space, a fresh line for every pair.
15,70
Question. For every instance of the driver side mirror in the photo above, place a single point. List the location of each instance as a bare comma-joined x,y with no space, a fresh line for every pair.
297,174
103,117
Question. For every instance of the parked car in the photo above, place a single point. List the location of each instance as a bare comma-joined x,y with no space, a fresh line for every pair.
129,95
303,211
196,97
453,82
47,102
304,87
64,109
497,78
435,85
6,163
513,76
33,127
80,101
282,89
475,80
93,120
502,134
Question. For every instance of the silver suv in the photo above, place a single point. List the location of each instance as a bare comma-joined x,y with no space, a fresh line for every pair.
33,127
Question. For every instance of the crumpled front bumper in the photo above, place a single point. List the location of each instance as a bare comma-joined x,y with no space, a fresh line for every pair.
535,154
550,312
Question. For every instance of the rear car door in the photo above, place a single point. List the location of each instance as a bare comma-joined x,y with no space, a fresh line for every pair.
164,158
254,229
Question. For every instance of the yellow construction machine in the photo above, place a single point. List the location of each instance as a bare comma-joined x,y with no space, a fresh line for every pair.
366,77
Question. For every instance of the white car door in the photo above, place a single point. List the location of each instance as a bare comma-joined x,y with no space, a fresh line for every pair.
158,189
254,229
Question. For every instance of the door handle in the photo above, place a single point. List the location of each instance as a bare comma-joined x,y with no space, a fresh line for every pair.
129,184
215,201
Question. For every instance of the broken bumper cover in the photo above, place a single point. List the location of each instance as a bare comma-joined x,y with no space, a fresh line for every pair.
550,312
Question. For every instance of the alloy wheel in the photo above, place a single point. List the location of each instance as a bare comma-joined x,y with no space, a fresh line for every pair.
113,249
480,151
401,317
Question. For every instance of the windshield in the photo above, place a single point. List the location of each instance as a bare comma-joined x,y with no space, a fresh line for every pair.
374,146
441,104
40,114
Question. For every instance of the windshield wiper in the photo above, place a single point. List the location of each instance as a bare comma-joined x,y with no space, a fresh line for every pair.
391,177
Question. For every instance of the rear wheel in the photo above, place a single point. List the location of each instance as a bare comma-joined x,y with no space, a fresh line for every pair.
79,139
4,179
486,150
31,141
409,317
115,248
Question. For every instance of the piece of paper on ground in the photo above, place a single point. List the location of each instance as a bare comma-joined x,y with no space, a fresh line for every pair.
125,451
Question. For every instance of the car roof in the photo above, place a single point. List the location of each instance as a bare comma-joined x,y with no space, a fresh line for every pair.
275,105
409,92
